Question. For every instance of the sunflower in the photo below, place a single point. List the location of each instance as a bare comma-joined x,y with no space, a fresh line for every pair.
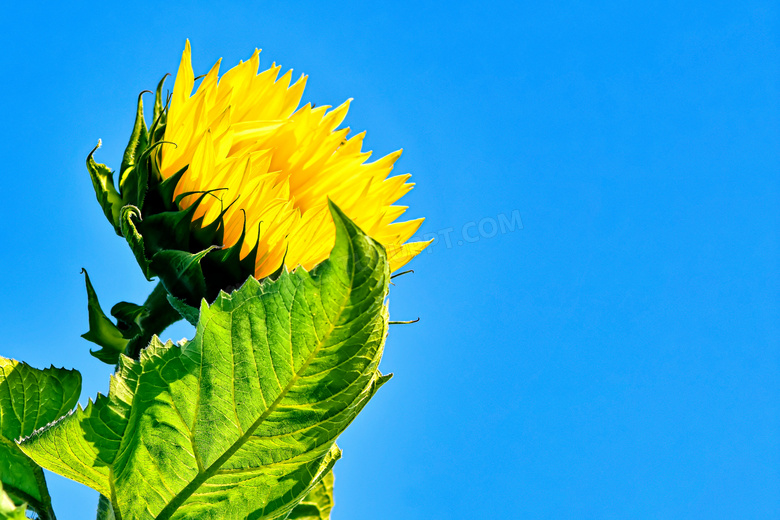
270,168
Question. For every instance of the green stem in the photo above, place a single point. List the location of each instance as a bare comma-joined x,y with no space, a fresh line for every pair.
44,511
159,316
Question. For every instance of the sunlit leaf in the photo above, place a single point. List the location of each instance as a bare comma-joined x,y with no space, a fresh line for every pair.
318,503
30,399
240,422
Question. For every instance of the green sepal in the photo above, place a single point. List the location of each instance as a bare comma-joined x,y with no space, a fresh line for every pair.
381,380
212,233
225,268
229,258
134,238
159,196
188,312
128,317
170,229
280,270
102,330
249,262
240,422
154,316
134,190
139,140
167,188
139,178
136,324
167,230
30,399
181,274
157,132
160,113
105,191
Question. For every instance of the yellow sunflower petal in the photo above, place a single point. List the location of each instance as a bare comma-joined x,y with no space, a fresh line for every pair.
400,256
271,167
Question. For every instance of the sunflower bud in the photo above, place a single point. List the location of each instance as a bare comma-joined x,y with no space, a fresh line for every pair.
234,181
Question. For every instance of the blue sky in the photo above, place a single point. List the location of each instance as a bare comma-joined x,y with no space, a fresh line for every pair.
616,356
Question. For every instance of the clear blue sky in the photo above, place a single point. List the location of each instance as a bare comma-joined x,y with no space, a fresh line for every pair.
617,357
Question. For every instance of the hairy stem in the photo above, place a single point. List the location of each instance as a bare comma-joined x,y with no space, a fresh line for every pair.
43,511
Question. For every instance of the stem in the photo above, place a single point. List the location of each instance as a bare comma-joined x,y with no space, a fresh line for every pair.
46,512
159,316
43,511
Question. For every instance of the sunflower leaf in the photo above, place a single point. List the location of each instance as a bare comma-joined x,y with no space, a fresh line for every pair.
242,420
30,399
318,503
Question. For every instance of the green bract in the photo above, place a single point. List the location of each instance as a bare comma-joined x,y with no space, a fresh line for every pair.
187,258
241,421
30,399
166,241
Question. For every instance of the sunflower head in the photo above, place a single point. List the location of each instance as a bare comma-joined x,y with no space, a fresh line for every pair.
234,180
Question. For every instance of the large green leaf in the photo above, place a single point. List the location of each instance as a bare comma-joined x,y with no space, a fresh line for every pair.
240,422
30,399
318,503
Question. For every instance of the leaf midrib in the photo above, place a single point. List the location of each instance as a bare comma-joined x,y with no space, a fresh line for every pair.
169,510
